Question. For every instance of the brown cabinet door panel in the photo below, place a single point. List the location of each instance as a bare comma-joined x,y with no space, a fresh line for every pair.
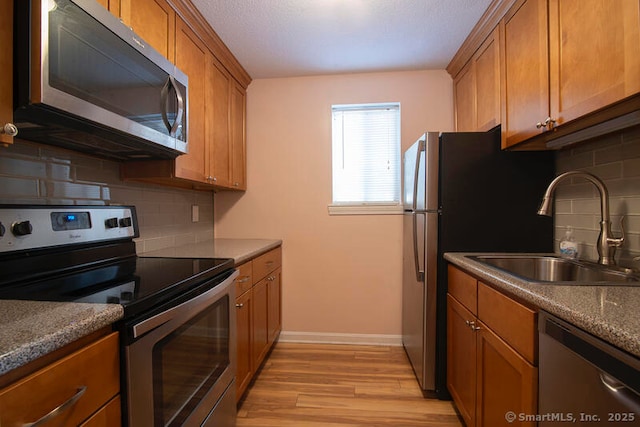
594,54
464,89
153,20
487,73
191,58
506,382
6,65
244,371
525,98
461,359
275,296
259,322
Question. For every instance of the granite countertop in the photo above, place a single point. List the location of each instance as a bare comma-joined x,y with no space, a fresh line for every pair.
31,329
240,250
609,312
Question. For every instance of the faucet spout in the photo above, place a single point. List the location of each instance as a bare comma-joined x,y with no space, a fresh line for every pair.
606,244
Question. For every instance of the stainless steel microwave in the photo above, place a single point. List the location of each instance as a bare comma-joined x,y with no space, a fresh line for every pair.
85,81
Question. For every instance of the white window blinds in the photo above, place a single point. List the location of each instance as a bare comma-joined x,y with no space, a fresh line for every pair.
366,154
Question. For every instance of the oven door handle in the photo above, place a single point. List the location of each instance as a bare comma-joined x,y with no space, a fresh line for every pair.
160,319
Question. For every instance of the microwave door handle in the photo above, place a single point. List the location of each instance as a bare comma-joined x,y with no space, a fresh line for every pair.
164,95
180,97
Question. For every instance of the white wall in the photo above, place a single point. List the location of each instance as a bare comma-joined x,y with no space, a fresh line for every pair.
341,274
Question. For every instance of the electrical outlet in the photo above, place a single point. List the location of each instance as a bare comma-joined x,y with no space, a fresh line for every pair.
195,213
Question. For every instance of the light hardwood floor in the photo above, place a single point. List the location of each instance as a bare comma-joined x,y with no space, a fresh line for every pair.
311,385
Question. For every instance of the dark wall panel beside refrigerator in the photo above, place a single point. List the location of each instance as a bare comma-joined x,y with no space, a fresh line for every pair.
487,202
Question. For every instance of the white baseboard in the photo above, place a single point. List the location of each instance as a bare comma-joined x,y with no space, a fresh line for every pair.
337,338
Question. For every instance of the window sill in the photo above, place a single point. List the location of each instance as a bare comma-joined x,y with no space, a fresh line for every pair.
365,209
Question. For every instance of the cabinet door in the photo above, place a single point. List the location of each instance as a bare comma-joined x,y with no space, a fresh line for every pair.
594,54
243,328
506,382
464,89
461,359
192,57
487,77
6,64
218,123
259,322
153,20
275,313
525,81
238,137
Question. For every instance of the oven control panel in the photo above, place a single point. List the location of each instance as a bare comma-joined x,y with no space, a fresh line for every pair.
34,227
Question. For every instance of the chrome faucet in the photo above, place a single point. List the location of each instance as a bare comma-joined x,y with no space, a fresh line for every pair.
606,244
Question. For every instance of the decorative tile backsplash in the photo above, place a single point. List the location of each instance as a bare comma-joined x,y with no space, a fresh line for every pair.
32,173
616,160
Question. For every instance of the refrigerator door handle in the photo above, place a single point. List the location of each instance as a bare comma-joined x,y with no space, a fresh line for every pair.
416,258
416,176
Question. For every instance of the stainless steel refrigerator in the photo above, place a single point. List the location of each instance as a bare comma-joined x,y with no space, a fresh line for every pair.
461,193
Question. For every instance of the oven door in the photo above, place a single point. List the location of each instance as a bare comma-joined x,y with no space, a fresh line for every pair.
180,363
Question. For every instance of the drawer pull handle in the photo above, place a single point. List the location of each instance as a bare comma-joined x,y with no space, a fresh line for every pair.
244,279
269,263
60,409
239,305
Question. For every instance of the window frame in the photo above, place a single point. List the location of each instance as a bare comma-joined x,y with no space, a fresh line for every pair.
367,208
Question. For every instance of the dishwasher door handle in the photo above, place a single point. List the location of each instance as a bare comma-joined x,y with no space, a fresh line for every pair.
620,391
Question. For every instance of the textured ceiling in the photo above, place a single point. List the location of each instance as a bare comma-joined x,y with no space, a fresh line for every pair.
286,38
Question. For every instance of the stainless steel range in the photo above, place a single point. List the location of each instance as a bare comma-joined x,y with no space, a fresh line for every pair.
178,333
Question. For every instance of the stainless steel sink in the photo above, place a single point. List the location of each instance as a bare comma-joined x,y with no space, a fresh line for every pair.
550,269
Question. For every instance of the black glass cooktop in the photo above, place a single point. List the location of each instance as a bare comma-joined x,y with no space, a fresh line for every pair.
137,283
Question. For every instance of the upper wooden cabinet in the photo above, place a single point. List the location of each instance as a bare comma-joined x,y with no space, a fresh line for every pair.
153,20
565,59
238,103
594,55
113,6
6,64
464,95
192,57
225,128
216,103
525,100
477,88
573,62
487,64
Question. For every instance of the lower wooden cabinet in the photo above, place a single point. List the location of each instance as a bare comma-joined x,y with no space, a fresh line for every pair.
506,382
258,314
260,310
85,383
244,372
490,373
461,359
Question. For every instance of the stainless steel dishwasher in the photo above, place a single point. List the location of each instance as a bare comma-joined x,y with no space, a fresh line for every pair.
583,379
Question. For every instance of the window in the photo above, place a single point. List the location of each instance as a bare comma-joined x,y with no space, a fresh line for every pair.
366,158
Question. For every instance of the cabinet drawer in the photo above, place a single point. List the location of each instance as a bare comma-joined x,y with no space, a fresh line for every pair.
108,416
244,281
464,288
510,320
96,367
266,263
